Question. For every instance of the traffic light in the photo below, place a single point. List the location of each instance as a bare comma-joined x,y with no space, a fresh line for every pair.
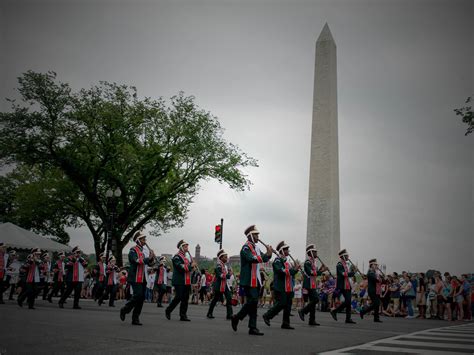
218,234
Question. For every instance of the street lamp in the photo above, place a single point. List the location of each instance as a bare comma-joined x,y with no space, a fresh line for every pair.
111,211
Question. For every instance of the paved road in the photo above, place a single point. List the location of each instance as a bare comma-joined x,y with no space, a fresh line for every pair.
457,339
95,329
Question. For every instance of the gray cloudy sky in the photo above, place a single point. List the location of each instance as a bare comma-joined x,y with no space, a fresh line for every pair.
406,169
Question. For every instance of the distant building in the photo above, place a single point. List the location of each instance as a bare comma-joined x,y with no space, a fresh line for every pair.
197,254
234,260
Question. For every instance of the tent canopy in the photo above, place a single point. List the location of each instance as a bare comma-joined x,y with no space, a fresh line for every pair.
17,237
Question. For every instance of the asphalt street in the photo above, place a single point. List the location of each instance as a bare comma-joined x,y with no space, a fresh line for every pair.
94,329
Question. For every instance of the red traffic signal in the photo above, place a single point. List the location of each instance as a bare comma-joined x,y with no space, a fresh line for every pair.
218,234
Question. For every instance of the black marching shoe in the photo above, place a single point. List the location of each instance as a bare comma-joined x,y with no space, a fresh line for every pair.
122,314
286,326
313,323
333,314
19,303
184,319
136,322
167,314
50,300
301,314
210,316
350,321
228,317
361,314
31,307
266,319
234,322
61,305
255,331
2,302
377,321
77,307
159,305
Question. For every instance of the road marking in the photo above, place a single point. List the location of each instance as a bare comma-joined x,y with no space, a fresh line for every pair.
457,339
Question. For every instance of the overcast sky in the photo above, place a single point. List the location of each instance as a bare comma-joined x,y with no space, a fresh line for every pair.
406,168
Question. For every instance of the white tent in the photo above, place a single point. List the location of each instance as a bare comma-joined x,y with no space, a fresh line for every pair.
17,237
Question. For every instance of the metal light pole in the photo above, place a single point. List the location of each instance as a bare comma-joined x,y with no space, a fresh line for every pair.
111,209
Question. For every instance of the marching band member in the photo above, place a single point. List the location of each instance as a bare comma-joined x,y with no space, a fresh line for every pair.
283,274
111,288
46,273
344,286
311,272
221,289
137,278
75,265
250,260
32,278
181,281
59,271
13,270
375,289
3,269
161,277
99,275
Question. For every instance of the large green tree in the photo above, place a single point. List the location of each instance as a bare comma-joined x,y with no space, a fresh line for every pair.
467,116
78,145
34,200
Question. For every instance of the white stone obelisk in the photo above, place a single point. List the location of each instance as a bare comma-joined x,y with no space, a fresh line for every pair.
323,201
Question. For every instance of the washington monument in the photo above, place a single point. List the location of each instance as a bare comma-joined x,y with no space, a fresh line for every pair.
323,201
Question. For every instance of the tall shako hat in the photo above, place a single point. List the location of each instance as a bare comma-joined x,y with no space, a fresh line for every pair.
282,245
181,243
35,251
101,255
221,253
62,254
12,253
162,259
2,244
138,235
310,247
372,261
343,252
75,249
45,255
111,258
251,230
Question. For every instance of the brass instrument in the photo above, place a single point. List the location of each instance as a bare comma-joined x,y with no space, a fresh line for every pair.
193,263
150,251
274,252
266,246
356,269
324,265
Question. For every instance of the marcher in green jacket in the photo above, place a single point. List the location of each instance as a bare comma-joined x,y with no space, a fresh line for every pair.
250,260
283,282
220,285
344,272
374,289
311,272
181,281
136,278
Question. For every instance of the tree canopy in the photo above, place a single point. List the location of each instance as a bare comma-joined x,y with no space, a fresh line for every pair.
467,116
68,148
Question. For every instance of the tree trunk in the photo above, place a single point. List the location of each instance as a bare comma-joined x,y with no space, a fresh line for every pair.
118,250
97,249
